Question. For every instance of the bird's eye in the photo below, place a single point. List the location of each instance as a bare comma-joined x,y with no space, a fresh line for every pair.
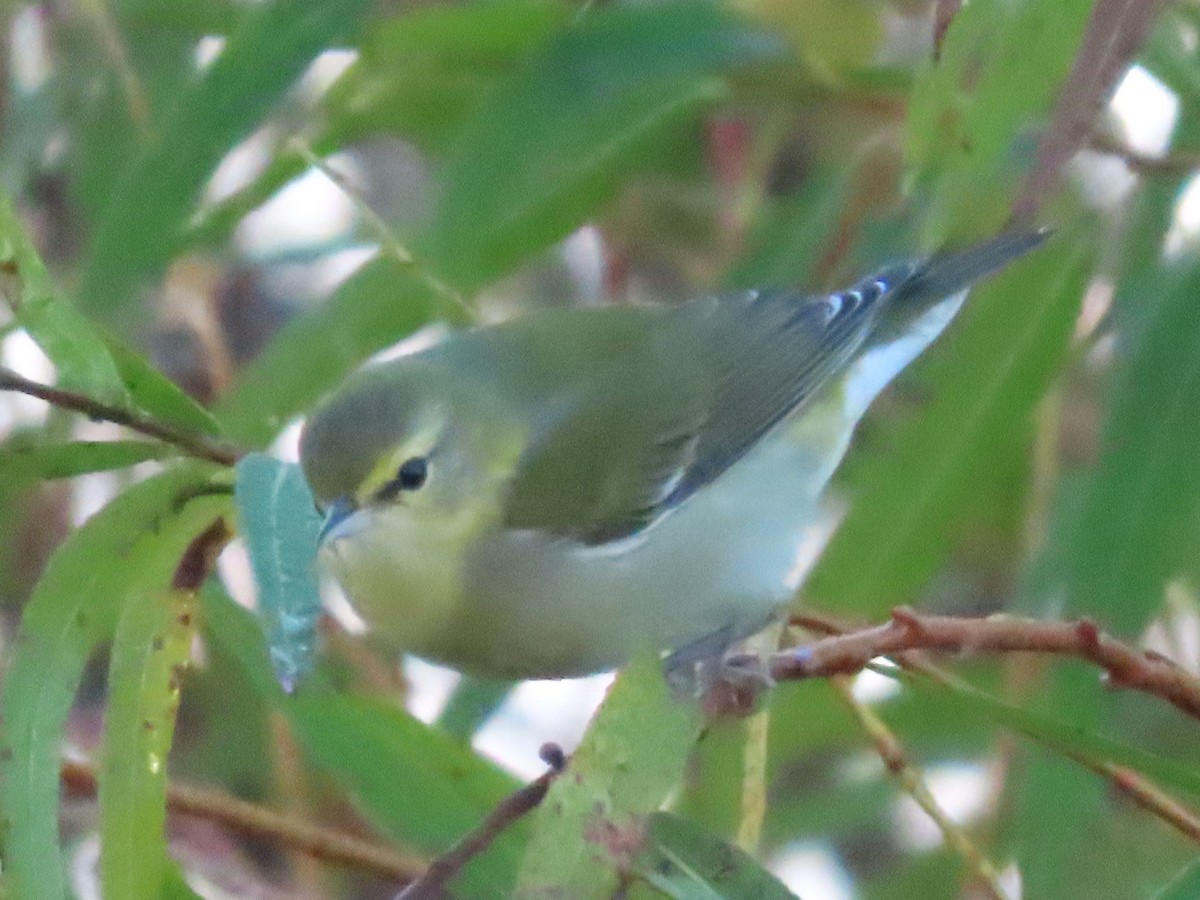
410,476
412,473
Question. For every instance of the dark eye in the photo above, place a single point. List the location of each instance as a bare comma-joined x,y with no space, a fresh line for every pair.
410,476
412,473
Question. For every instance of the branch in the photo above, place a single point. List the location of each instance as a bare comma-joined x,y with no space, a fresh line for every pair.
944,13
1124,667
432,885
1149,797
909,777
252,820
1137,787
1111,37
1180,162
191,444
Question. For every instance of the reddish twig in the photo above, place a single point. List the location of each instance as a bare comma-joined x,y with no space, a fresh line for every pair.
1124,667
1137,787
432,885
191,444
252,820
1150,798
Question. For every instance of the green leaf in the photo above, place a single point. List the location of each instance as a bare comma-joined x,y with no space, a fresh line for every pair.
594,817
1069,739
152,645
279,522
471,704
158,395
129,547
380,304
61,331
1149,468
1184,886
972,111
141,226
984,380
38,460
1128,526
554,141
684,862
421,73
419,785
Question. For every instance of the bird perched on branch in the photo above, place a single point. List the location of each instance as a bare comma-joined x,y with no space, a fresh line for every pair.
545,497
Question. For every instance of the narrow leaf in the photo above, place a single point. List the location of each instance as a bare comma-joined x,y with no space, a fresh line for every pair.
35,460
152,644
686,863
142,224
417,784
130,546
63,333
594,819
472,704
581,116
1185,886
158,395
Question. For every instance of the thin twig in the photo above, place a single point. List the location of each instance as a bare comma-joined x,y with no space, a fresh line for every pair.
256,821
1179,162
1113,33
136,98
944,13
388,241
1149,797
1124,667
755,756
1137,787
432,885
910,779
191,444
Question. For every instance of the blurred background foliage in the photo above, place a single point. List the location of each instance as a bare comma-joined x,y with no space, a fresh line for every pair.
216,210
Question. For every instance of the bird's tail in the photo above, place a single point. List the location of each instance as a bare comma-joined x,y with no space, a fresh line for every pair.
949,272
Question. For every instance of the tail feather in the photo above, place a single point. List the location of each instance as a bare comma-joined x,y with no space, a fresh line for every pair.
949,272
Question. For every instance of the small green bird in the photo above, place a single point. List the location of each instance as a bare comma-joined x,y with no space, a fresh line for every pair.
546,497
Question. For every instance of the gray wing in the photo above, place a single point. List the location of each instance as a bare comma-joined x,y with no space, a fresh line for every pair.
623,452
771,352
618,452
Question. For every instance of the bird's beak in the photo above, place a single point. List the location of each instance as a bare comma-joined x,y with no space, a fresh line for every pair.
339,511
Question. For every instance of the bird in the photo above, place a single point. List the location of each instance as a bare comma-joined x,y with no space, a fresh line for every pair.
549,496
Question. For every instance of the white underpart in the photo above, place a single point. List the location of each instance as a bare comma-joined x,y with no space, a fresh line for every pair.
874,370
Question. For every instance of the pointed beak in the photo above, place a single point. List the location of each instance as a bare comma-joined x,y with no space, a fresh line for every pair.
339,511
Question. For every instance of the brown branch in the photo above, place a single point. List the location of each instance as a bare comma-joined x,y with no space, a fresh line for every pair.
432,885
1149,797
1124,667
1177,163
191,444
911,781
1111,37
252,820
943,16
1137,787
